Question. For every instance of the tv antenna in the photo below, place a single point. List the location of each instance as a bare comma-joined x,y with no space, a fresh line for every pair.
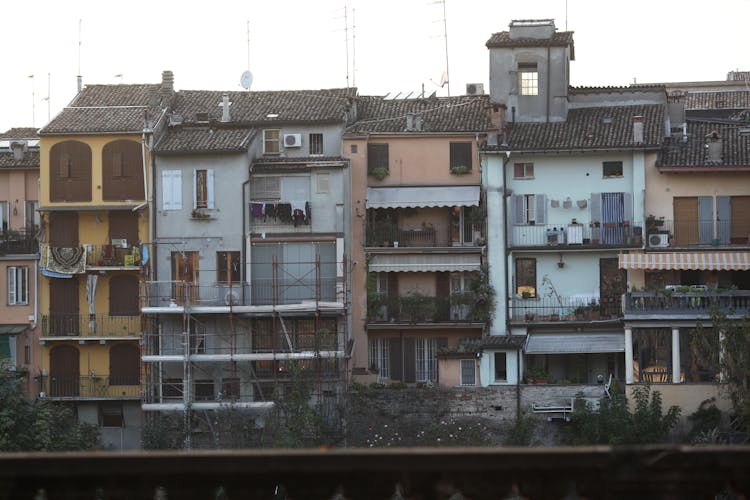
246,79
446,77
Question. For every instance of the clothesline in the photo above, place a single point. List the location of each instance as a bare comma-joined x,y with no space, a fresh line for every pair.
292,212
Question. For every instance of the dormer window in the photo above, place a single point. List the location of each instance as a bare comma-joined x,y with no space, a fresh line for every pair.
529,78
201,117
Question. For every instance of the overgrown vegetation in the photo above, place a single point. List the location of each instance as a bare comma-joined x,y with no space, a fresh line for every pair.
614,423
38,425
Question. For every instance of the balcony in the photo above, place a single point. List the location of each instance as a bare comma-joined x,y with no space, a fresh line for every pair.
93,386
687,233
575,236
685,302
282,217
112,256
85,325
555,309
18,243
429,235
418,308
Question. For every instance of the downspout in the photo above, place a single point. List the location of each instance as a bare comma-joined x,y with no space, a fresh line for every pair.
506,254
148,195
243,260
547,76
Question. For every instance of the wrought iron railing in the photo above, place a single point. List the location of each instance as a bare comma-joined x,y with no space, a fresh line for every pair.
418,308
545,309
687,303
93,385
618,234
86,325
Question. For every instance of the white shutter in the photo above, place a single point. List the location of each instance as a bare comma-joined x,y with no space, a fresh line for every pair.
517,206
540,209
11,285
195,188
210,188
24,285
171,189
176,189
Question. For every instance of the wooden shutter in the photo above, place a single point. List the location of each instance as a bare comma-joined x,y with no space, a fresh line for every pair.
410,374
122,171
540,209
396,358
740,219
124,364
123,295
63,229
724,218
442,284
627,205
686,220
124,225
64,370
70,171
171,189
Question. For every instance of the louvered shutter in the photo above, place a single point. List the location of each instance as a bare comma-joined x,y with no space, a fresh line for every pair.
171,189
627,203
195,189
517,210
540,209
596,215
210,188
724,218
11,286
706,220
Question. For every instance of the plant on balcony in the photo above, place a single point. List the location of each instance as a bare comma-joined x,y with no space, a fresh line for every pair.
537,375
460,170
653,222
198,213
484,297
379,173
417,307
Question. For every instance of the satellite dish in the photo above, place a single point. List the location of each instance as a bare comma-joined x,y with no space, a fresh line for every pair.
246,80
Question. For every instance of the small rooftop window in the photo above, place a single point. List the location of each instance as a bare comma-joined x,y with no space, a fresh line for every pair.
272,115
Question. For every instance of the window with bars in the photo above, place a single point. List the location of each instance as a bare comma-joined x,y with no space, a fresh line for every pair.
377,157
316,144
271,141
468,372
426,359
266,188
460,157
380,357
612,169
18,285
501,366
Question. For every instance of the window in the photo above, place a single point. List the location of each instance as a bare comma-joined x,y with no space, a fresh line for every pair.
316,144
203,188
353,149
266,188
529,209
377,157
468,372
526,277
322,183
271,142
460,157
230,389
65,168
110,414
426,359
70,171
18,285
122,170
4,217
501,367
228,267
171,189
652,355
612,169
123,295
380,362
31,215
204,390
529,79
523,170
124,365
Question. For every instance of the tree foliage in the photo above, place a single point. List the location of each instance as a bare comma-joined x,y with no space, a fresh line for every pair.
614,423
38,425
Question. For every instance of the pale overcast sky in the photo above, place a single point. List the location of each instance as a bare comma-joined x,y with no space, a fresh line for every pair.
397,45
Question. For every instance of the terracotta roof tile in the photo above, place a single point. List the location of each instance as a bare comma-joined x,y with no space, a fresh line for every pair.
736,99
20,133
439,114
179,140
30,160
502,39
590,128
735,147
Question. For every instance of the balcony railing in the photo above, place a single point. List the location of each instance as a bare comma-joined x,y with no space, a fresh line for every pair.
549,309
622,234
417,308
690,303
269,291
18,243
112,256
696,232
85,325
90,386
431,235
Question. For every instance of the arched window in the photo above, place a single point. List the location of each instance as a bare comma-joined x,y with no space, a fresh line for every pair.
70,171
124,364
122,171
123,295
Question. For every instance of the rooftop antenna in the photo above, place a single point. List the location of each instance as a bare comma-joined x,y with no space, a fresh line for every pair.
446,79
48,99
566,15
246,79
33,102
79,78
354,50
346,39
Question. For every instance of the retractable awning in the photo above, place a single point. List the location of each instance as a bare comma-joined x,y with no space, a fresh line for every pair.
411,263
13,329
574,343
423,197
711,261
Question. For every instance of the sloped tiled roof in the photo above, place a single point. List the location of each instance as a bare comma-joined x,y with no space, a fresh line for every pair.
735,147
30,160
20,133
179,140
439,114
590,128
503,39
296,163
106,109
327,105
736,99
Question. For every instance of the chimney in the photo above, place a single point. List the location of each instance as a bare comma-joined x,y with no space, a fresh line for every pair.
409,122
167,87
418,121
79,82
225,117
18,147
638,129
684,132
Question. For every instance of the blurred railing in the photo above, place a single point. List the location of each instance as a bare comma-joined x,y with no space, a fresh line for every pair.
18,242
112,256
417,308
690,303
697,232
431,235
544,309
90,386
622,234
85,325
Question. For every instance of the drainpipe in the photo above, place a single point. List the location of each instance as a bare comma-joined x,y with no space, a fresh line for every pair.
548,83
147,194
244,240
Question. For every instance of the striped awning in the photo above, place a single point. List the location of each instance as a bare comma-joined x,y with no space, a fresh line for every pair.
711,261
422,196
575,343
425,263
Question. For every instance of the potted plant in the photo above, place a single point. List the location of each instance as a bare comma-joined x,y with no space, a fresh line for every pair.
198,213
379,173
526,294
460,170
537,375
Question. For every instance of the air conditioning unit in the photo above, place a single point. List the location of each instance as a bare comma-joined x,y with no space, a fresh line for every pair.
232,298
474,89
658,240
292,140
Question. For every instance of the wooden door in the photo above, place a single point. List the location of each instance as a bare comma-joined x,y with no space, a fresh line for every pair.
123,295
612,284
124,225
686,221
64,371
63,229
63,307
124,364
740,219
185,276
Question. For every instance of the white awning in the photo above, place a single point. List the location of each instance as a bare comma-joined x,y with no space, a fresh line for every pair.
574,343
422,197
711,261
416,263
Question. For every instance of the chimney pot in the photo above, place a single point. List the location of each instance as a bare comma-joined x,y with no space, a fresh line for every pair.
225,117
638,129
